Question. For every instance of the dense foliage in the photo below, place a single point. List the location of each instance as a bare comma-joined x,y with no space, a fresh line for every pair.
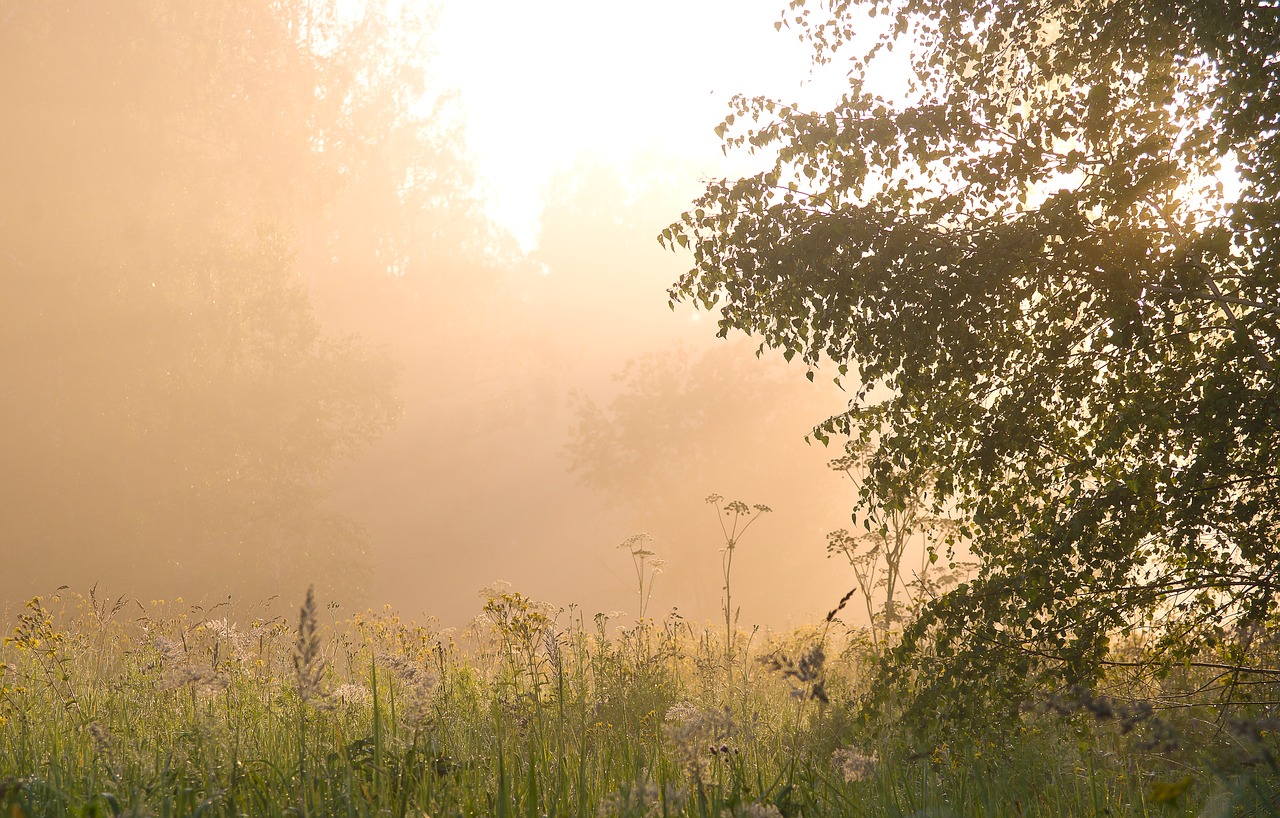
1060,317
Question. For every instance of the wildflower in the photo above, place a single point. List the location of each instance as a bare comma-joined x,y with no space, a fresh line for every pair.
692,731
238,642
853,765
179,672
223,629
350,694
35,631
203,679
495,589
519,621
170,650
636,544
418,685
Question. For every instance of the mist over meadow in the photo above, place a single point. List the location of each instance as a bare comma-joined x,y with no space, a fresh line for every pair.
545,409
260,331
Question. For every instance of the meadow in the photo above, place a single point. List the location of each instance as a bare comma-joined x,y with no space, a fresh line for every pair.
124,707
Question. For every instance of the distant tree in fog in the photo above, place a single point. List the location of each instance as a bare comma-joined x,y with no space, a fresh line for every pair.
171,404
682,424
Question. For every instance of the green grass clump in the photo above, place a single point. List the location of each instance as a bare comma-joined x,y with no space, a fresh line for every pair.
163,710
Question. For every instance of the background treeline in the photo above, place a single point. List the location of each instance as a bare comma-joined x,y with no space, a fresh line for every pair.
175,178
258,331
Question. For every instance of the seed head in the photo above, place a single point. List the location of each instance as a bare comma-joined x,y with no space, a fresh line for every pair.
308,665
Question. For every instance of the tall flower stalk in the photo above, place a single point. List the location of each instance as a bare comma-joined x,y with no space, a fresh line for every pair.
735,518
647,567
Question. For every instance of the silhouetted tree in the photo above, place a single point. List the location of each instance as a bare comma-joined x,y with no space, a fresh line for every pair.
1056,319
681,423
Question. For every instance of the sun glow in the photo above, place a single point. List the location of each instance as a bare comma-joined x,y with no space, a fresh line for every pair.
544,85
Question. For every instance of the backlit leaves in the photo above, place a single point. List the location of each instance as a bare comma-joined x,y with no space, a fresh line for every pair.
1052,307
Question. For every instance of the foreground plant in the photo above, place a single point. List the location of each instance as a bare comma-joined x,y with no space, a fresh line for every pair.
735,517
647,567
179,713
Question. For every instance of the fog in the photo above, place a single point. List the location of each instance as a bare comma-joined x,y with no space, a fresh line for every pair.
260,330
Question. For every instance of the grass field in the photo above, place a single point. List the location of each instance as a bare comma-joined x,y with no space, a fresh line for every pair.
159,709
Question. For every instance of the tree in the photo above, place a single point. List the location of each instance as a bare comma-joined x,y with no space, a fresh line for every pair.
1059,321
172,406
681,421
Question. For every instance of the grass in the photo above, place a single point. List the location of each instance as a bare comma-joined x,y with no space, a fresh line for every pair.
165,710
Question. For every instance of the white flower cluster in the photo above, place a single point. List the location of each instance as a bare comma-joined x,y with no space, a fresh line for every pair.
697,736
853,765
351,694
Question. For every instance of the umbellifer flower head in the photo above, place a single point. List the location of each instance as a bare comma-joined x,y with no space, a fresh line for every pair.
853,765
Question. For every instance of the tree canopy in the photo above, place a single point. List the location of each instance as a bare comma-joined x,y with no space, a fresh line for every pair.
1049,272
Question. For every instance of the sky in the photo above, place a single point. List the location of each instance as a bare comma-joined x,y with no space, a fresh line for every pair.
625,97
590,127
542,85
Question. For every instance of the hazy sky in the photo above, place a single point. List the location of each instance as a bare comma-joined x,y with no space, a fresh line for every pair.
605,113
543,83
590,128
